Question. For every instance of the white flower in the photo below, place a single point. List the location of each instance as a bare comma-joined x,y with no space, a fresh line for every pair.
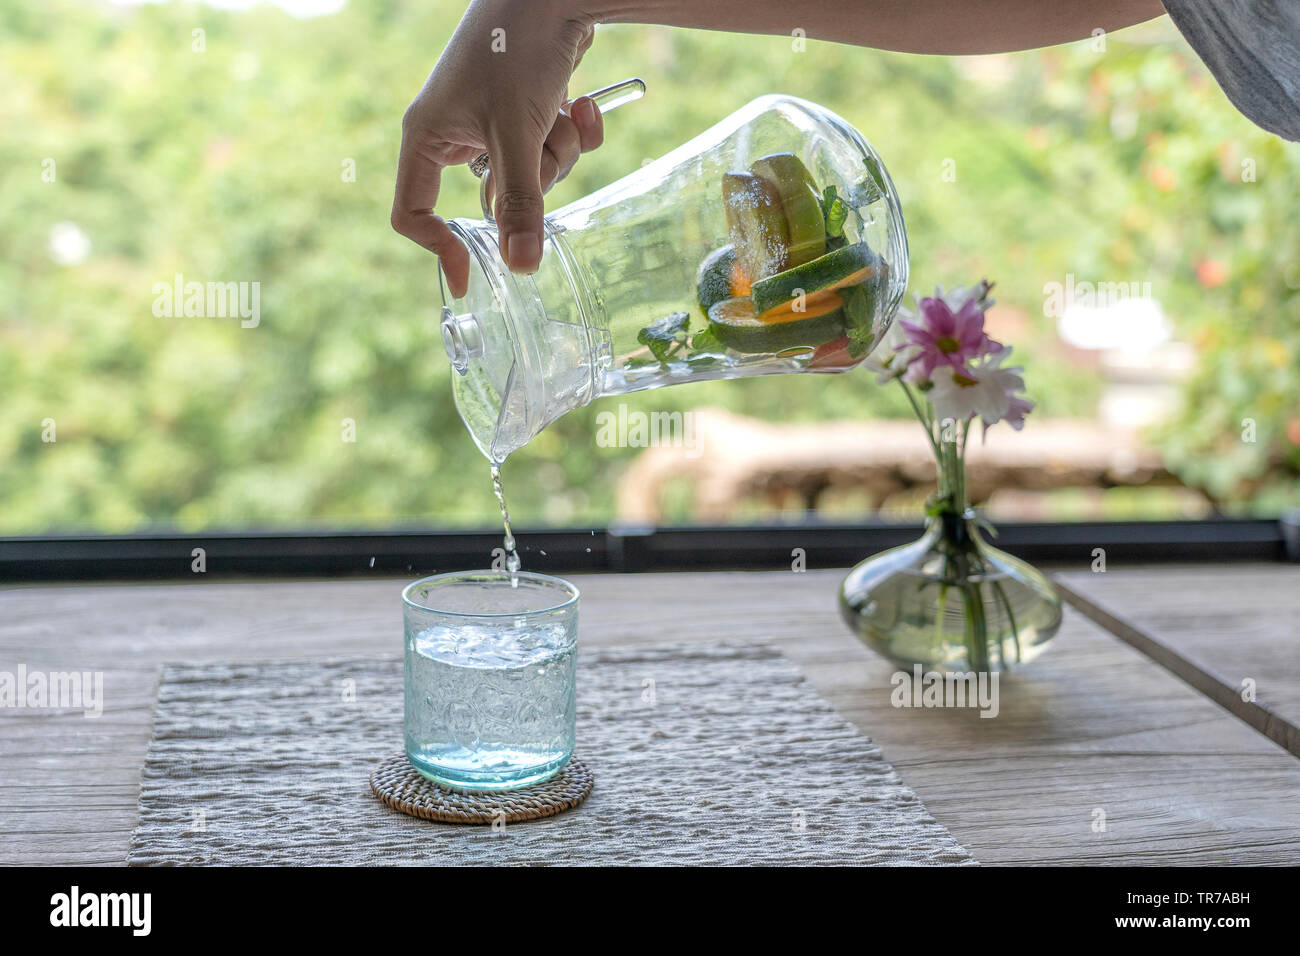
989,392
888,360
959,296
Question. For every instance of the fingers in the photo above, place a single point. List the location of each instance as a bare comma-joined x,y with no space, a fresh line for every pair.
568,139
562,148
418,181
521,171
516,158
591,125
578,129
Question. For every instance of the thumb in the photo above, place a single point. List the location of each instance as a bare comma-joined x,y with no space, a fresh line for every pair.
516,159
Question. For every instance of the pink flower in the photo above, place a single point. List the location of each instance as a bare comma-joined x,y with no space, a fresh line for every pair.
947,338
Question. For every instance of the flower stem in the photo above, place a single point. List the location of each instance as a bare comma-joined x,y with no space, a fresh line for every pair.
1011,616
978,626
958,549
923,418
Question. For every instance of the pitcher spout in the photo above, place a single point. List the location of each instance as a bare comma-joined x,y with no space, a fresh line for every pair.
520,345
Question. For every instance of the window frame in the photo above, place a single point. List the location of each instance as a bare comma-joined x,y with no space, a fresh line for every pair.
618,548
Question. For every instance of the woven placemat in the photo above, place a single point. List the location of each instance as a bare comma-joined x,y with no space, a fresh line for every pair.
705,754
404,788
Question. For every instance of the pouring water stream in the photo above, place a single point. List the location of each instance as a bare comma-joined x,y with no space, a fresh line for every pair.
513,564
607,99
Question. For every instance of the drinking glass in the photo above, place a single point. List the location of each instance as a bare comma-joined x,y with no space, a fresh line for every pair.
490,660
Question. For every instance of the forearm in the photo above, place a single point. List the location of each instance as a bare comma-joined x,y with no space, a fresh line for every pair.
911,26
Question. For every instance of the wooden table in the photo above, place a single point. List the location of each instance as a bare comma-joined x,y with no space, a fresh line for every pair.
1092,725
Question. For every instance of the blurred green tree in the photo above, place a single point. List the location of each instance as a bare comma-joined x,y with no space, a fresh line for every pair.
261,149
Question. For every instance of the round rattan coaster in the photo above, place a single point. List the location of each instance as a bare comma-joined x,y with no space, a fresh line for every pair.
400,785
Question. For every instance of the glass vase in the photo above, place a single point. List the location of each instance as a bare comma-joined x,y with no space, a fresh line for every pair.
950,601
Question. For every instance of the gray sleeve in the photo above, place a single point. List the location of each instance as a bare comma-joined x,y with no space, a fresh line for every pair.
1253,49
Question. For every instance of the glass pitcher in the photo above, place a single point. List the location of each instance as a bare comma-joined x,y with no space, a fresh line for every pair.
772,242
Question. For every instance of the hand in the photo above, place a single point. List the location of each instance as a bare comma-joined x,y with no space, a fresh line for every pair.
499,86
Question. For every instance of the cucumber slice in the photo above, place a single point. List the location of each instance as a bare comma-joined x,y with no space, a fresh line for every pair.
713,282
846,266
755,223
738,327
804,221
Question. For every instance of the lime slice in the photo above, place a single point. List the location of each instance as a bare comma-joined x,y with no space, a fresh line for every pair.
845,266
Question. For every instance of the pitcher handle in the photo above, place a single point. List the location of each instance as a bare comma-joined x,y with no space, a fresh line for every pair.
607,98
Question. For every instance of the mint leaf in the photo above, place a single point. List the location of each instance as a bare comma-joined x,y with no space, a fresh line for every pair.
833,211
826,198
860,342
706,340
859,316
700,360
661,336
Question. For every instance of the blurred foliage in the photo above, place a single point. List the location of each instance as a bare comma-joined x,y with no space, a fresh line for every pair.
227,165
